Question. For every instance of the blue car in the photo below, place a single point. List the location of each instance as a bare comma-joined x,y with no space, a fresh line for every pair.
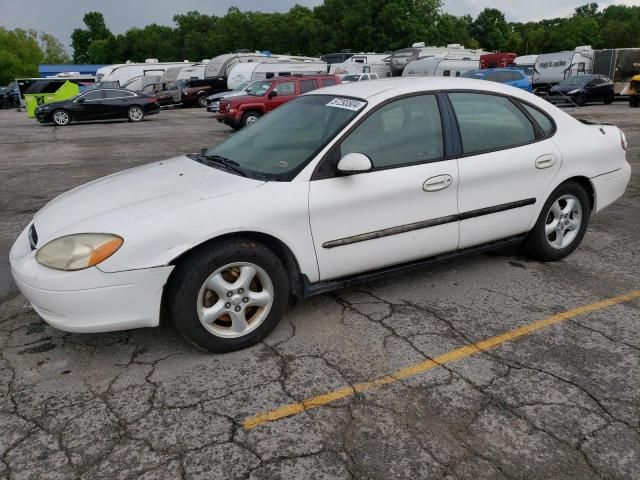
508,76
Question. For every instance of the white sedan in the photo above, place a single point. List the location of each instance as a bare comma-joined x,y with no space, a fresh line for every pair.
340,185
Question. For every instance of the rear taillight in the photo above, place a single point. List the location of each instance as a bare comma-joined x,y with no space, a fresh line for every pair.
623,141
154,99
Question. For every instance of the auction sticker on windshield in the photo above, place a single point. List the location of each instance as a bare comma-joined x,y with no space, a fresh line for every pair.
348,103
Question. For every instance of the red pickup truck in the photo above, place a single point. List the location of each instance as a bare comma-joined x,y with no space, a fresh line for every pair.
238,112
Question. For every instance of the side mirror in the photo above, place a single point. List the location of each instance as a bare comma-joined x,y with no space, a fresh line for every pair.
354,163
80,100
272,94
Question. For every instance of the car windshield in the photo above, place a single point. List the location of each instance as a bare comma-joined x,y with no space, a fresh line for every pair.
241,87
577,80
350,78
259,88
280,144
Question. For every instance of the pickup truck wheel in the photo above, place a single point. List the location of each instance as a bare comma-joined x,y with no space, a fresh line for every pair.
561,225
250,118
228,295
202,100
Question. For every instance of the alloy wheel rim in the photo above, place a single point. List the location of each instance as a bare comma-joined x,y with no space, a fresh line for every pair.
563,221
61,118
251,119
135,114
235,300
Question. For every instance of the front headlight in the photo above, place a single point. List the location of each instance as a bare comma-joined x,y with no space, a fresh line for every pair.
76,252
573,92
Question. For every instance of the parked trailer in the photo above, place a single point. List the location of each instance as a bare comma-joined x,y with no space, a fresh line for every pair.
497,60
363,63
440,67
246,72
122,74
399,59
552,68
620,65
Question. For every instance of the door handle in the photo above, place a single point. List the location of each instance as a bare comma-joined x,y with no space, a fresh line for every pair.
546,161
437,183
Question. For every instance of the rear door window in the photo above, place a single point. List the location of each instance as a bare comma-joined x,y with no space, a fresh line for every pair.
490,122
285,89
94,95
308,85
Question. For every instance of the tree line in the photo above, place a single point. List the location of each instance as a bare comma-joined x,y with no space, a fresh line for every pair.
359,25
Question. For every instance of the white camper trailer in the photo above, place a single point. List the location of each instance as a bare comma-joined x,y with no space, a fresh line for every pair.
526,63
246,72
440,67
552,68
401,58
363,63
121,74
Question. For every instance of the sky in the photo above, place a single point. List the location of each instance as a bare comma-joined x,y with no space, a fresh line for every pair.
60,17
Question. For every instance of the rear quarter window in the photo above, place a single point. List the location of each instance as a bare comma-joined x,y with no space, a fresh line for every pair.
543,121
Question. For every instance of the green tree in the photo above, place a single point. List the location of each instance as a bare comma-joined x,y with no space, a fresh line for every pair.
492,31
82,39
20,54
53,50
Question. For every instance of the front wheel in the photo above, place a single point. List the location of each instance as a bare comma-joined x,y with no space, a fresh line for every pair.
634,101
580,100
561,224
228,295
135,113
61,117
250,118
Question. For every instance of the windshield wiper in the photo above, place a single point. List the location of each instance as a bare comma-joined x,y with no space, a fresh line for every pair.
227,163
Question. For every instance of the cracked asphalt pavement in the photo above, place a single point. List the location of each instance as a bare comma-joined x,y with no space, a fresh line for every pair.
562,402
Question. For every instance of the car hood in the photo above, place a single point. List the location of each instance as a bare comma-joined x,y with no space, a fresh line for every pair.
116,202
222,96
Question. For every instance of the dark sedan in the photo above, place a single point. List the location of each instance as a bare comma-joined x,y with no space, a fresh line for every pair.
99,104
582,89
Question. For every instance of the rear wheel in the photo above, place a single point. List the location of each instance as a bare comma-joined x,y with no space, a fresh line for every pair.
250,118
202,101
228,295
135,113
609,99
61,117
561,224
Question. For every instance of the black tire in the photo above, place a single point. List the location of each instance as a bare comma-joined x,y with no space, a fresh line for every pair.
538,245
135,113
193,271
249,118
634,101
580,100
61,118
609,99
202,100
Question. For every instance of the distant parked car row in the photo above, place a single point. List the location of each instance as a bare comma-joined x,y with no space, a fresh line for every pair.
99,104
9,98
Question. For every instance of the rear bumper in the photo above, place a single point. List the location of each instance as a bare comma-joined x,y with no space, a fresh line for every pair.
610,186
90,300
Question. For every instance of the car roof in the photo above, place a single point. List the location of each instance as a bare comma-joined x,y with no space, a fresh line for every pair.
300,77
391,87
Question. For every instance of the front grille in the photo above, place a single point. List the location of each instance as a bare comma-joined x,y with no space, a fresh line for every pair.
33,237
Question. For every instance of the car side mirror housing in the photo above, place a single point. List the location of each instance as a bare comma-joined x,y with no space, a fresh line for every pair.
353,163
273,93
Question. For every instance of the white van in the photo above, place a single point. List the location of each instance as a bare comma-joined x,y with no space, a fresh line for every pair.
551,68
440,67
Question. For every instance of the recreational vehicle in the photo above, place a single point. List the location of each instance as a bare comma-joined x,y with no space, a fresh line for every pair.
246,72
620,65
440,67
399,59
363,63
551,68
123,74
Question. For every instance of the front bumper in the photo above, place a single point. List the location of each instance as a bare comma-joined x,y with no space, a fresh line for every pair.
88,300
44,117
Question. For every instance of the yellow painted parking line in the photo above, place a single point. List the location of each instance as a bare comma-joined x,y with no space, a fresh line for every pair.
452,356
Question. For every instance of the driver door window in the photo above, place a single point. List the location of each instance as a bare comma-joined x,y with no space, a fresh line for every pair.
93,96
406,131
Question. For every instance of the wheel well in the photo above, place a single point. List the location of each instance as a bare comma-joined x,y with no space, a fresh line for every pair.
272,243
586,184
